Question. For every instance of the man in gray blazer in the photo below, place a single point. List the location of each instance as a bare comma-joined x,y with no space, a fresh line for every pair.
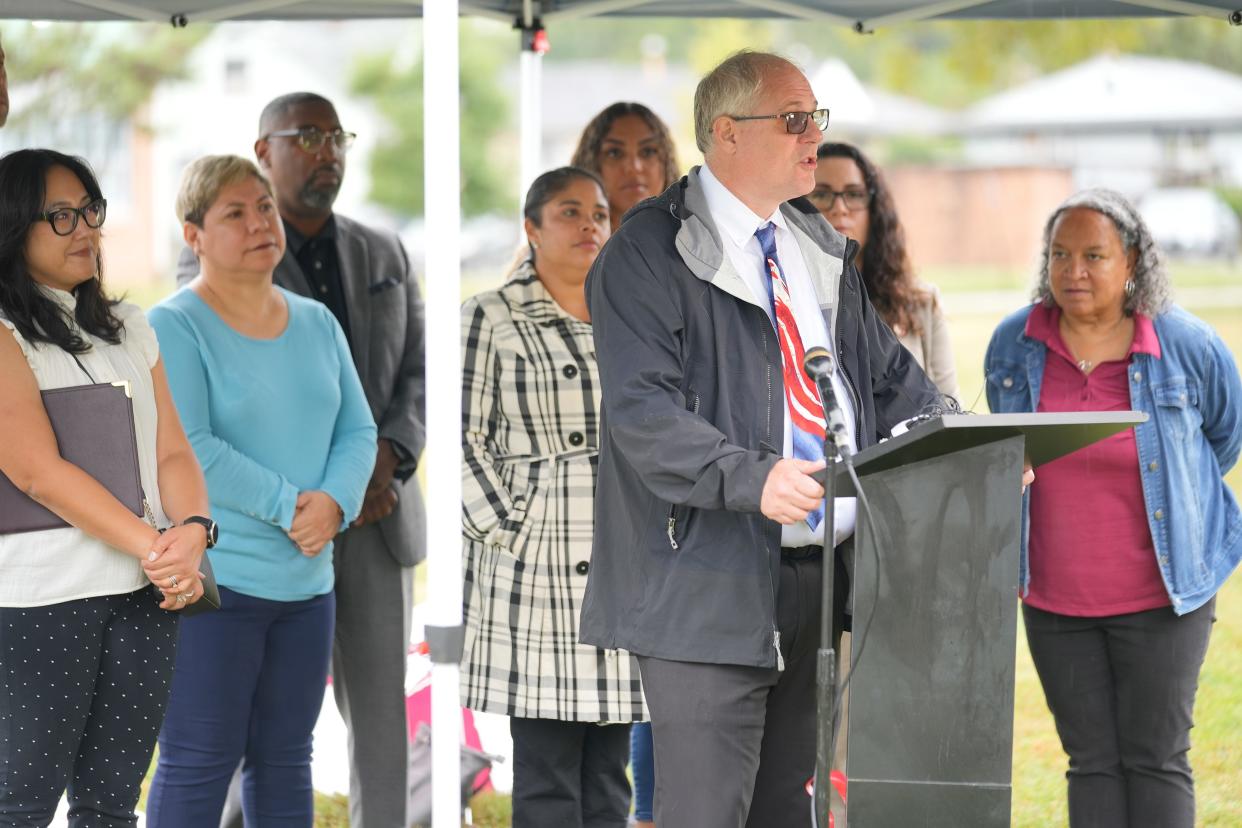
363,275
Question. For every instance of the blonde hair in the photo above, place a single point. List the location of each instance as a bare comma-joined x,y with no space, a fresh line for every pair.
205,177
732,88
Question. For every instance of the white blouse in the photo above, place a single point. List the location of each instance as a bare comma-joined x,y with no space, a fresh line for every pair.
40,568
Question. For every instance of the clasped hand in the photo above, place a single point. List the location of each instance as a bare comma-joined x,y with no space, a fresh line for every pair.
316,520
173,565
381,497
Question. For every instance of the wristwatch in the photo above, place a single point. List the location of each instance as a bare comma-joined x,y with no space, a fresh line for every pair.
213,531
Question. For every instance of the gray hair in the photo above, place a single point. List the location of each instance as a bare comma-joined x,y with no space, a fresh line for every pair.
1152,294
732,88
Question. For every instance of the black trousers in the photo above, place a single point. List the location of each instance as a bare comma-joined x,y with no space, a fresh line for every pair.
1122,691
735,746
83,687
569,774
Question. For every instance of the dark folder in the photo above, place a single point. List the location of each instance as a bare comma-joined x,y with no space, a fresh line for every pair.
94,427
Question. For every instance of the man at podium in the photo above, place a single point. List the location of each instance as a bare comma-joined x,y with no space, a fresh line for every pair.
708,552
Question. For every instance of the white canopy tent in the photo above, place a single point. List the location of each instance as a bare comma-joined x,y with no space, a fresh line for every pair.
443,188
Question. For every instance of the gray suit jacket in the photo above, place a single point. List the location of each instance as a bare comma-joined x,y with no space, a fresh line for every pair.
386,323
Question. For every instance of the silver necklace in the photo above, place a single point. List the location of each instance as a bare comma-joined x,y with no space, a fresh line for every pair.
1085,365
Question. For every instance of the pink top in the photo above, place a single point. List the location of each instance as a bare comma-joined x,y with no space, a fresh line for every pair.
1090,547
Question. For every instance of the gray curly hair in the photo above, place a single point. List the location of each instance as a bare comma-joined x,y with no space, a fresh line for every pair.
1152,293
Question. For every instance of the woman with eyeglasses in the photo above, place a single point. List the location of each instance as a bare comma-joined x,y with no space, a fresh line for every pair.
853,196
530,448
273,407
86,642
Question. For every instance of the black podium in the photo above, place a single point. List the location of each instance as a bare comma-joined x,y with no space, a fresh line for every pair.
930,729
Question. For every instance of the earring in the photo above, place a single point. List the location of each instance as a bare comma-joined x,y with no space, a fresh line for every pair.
535,245
1129,288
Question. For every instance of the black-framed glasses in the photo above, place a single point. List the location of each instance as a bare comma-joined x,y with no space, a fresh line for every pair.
312,138
64,220
795,122
854,198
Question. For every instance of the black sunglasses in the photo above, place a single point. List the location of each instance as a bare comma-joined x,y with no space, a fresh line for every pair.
795,122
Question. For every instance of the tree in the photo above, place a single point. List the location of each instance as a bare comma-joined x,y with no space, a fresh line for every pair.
88,69
397,90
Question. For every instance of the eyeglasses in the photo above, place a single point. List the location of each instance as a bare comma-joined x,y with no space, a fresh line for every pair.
64,220
312,138
795,122
825,197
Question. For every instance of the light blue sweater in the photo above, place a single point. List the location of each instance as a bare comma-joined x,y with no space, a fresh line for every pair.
268,418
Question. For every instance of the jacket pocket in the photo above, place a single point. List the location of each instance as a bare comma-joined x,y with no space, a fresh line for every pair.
1008,387
514,531
676,514
1177,408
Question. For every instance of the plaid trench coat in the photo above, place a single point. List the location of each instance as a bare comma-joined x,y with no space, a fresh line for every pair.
530,442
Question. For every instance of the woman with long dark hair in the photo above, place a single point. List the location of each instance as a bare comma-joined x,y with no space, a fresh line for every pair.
632,152
851,193
86,643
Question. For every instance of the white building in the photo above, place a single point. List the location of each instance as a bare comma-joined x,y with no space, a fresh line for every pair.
1122,121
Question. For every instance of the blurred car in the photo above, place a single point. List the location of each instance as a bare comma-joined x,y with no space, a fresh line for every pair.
1192,222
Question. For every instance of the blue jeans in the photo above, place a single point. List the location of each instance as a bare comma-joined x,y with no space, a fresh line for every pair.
642,765
82,691
249,683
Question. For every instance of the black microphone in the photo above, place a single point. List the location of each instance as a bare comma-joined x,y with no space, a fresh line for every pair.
819,367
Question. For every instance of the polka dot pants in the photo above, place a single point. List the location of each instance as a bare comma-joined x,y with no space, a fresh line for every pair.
83,687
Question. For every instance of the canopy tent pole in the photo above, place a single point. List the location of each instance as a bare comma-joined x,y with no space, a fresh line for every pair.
442,183
530,102
530,119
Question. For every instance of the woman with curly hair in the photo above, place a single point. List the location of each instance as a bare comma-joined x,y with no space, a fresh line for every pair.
853,196
630,149
1129,539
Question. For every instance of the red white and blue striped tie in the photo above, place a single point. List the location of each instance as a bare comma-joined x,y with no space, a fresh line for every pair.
806,413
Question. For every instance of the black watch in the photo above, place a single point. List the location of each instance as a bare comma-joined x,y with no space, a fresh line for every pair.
213,531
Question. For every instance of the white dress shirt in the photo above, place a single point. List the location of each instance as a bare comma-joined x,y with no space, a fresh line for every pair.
737,224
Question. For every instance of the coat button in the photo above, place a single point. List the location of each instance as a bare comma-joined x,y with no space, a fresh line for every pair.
582,567
1153,465
575,438
570,371
1159,514
1138,376
1007,382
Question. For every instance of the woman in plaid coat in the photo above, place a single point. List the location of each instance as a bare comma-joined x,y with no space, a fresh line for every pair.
530,440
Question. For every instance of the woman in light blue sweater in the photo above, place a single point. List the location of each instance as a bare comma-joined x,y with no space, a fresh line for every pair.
271,403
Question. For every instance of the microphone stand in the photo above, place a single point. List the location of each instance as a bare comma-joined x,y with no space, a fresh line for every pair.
819,366
826,656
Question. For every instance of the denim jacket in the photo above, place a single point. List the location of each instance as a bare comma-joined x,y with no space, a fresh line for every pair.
1193,398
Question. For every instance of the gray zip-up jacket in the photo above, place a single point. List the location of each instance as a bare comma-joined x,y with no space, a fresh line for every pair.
684,566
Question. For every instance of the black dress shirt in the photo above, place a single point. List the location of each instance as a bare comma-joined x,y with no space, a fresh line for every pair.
318,258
